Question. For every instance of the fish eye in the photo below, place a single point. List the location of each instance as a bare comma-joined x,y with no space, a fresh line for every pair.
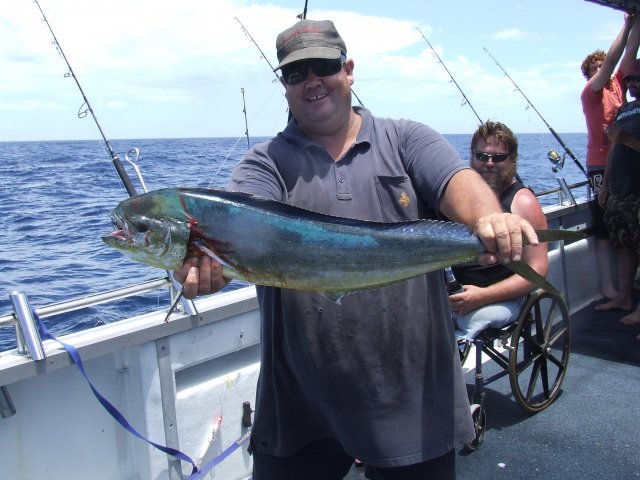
141,227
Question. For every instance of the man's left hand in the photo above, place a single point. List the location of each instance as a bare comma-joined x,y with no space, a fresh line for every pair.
502,235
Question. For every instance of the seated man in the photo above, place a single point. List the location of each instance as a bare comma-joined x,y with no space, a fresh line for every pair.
493,295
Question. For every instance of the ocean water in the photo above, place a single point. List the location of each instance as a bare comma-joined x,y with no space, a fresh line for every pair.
55,199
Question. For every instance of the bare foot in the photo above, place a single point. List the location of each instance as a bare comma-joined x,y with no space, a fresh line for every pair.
631,319
609,293
615,304
638,337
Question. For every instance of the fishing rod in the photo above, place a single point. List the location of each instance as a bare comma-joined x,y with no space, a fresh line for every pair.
188,305
246,32
553,132
465,99
303,15
126,181
244,111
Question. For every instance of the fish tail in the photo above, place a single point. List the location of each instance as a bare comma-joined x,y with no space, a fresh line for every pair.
525,271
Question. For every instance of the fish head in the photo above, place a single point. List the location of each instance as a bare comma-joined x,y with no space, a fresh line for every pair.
151,230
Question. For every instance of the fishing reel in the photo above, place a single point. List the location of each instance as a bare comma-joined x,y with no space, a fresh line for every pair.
556,160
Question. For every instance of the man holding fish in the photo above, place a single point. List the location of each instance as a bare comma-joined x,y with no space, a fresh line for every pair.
376,377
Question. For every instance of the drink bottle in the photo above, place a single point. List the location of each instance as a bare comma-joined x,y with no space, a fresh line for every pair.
453,285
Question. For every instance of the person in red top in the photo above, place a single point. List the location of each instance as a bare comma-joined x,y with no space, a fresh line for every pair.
601,98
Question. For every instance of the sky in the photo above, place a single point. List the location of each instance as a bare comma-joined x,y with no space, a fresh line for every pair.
180,69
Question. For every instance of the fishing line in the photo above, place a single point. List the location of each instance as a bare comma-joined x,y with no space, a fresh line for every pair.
553,132
248,122
126,181
223,162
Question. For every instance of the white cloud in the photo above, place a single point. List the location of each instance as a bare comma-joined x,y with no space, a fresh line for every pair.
175,62
509,34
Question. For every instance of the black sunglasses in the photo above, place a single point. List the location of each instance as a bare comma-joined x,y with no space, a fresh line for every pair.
495,157
298,72
632,78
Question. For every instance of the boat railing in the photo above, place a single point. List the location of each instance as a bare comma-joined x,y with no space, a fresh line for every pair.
564,193
28,340
91,300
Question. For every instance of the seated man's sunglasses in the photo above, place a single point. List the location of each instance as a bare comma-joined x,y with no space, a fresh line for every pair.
495,157
298,72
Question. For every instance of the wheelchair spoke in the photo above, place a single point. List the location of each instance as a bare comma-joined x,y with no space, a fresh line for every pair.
538,366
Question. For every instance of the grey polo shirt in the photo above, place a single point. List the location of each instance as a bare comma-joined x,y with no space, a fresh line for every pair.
380,372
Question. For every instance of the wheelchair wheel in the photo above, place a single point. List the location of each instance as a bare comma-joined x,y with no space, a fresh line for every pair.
539,351
479,417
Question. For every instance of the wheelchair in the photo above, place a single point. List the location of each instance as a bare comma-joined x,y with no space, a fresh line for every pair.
533,350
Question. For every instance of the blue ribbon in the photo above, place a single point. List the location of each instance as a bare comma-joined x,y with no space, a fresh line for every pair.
196,473
229,450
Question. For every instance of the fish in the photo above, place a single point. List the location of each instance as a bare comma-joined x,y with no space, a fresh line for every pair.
271,243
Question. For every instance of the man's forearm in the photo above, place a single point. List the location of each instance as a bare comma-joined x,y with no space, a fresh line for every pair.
468,198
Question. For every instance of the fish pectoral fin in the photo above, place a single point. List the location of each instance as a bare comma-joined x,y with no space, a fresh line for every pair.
525,271
207,251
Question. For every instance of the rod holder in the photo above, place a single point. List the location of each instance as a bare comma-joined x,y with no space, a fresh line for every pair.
27,325
566,192
188,306
7,408
21,347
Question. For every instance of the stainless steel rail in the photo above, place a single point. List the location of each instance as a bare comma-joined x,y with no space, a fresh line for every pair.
91,300
556,190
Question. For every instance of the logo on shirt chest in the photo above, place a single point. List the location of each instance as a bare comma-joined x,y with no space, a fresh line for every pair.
404,200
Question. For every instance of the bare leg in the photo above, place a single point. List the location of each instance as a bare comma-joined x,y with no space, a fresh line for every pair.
627,266
604,255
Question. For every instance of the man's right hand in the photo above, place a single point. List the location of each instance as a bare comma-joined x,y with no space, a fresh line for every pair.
200,276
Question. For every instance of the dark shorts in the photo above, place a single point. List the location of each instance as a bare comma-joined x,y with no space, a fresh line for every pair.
597,212
622,221
326,460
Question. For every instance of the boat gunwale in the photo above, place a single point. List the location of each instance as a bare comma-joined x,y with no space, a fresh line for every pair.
106,339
